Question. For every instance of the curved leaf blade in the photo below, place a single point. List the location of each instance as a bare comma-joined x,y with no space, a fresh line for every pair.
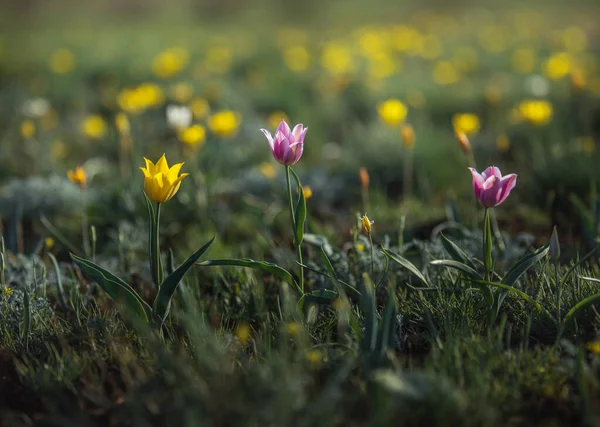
455,252
406,264
524,264
167,288
517,292
264,266
580,306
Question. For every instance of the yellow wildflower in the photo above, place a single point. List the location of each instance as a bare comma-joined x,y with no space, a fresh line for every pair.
200,108
122,123
466,123
366,223
314,357
94,126
392,112
243,332
296,58
161,183
7,291
224,123
307,192
78,176
293,328
193,136
535,112
360,247
558,65
49,242
408,136
182,92
594,347
268,170
574,39
170,62
218,59
59,149
62,61
445,73
337,58
27,129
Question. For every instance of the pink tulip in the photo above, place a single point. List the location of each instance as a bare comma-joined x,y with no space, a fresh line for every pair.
287,146
491,188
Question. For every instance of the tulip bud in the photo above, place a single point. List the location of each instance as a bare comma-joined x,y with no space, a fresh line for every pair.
78,176
364,178
554,246
408,136
366,223
464,143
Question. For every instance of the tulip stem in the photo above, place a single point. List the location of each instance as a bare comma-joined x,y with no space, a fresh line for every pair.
487,246
157,273
293,217
84,224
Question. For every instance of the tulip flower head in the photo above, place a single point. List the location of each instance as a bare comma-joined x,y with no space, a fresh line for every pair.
161,183
366,223
287,145
491,188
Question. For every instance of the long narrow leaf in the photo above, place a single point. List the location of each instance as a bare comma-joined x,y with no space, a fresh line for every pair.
455,252
324,274
115,287
59,236
264,266
167,288
580,306
578,263
517,292
153,250
469,271
524,264
59,284
300,211
406,264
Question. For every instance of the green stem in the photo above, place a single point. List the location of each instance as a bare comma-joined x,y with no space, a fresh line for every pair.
487,246
157,274
558,292
296,245
372,257
84,224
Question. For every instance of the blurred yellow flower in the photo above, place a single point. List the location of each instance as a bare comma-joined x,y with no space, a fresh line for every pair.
59,149
49,242
182,92
594,347
363,174
193,136
224,123
162,182
200,108
502,143
314,357
535,112
293,328
415,99
466,123
94,126
463,142
523,60
366,223
577,80
170,62
276,117
558,65
218,59
78,176
337,58
360,247
140,98
7,291
408,136
27,129
574,39
122,123
243,332
445,73
267,170
62,61
405,38
307,192
430,47
392,112
296,58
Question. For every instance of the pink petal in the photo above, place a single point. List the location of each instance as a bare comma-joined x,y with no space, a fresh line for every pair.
297,131
269,137
507,183
477,182
284,128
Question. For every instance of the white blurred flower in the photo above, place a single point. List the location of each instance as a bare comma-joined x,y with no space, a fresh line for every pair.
537,85
36,107
179,117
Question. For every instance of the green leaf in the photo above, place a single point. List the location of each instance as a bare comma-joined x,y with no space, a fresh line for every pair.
455,252
26,318
320,296
580,306
115,287
322,273
578,263
300,211
369,309
471,273
388,322
406,264
517,292
267,267
524,264
487,244
167,288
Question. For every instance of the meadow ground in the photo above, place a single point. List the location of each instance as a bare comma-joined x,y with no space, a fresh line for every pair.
353,271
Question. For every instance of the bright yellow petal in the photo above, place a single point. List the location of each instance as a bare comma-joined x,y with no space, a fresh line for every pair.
150,167
146,172
162,165
174,188
174,172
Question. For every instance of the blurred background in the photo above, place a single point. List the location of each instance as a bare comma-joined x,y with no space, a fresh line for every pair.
102,84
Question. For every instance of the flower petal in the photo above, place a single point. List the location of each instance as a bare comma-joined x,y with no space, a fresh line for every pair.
284,128
269,137
162,165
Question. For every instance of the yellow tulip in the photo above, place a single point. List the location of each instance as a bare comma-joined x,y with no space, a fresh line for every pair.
161,183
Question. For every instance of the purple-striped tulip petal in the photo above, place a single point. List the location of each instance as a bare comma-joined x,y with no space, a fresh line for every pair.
490,187
287,145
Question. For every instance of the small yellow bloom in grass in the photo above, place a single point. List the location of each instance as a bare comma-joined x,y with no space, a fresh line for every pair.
276,117
200,108
224,123
463,142
27,129
594,347
161,183
193,136
243,332
170,62
366,223
268,170
307,192
408,136
445,73
7,291
535,112
314,357
364,178
49,242
392,112
558,65
293,328
466,123
360,247
78,176
122,123
502,143
62,61
182,92
94,126
296,58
